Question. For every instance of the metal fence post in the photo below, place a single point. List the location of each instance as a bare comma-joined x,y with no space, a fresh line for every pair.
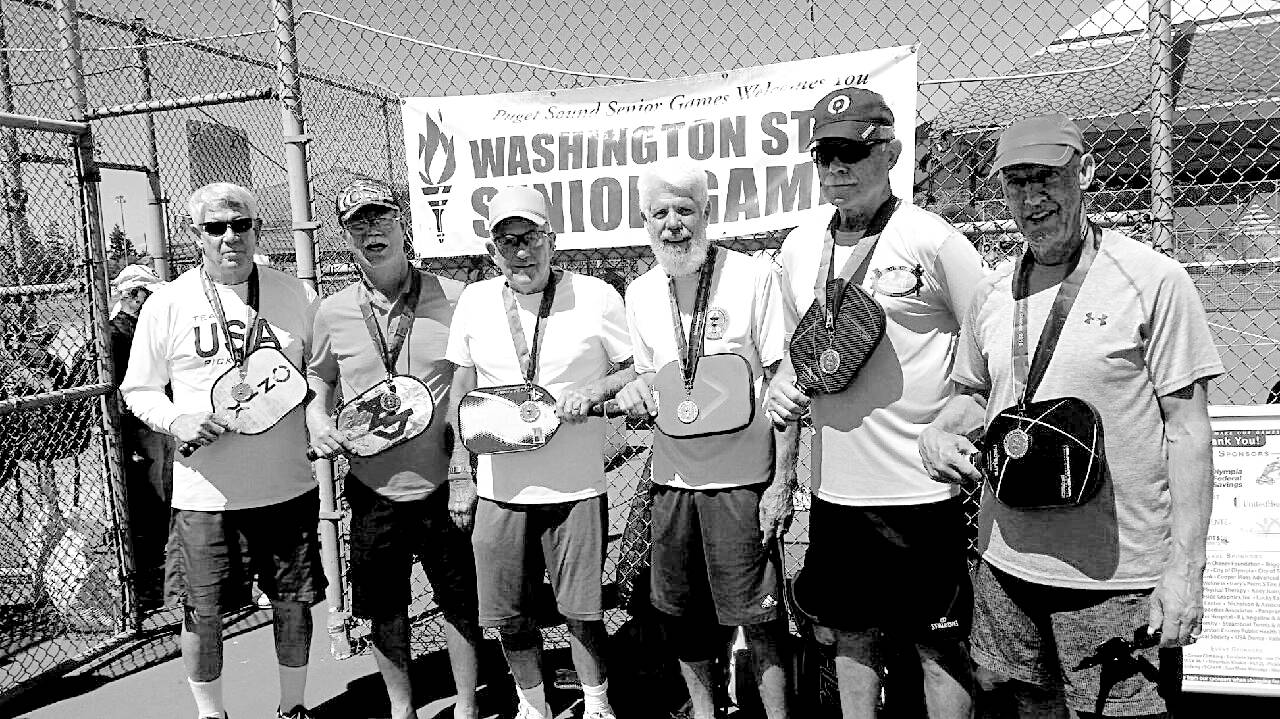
1162,106
15,199
87,177
158,236
296,140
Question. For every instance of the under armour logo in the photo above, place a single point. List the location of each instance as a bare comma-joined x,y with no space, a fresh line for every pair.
1089,319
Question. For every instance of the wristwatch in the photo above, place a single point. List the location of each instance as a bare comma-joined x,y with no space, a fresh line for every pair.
459,471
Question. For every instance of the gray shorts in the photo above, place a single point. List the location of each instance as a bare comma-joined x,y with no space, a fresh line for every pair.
516,543
1038,634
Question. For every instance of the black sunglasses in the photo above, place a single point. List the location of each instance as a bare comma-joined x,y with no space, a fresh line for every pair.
219,228
850,153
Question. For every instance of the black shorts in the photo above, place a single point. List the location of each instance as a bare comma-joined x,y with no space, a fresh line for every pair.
708,558
213,558
898,568
387,536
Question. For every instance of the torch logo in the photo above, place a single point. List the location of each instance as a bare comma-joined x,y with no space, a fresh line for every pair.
435,153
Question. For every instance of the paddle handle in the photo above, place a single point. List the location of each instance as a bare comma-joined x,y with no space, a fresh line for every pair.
608,408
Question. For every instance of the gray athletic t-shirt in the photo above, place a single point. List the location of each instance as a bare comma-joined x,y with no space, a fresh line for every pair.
1137,332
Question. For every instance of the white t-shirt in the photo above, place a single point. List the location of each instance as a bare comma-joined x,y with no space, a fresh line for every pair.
743,317
923,272
178,343
583,336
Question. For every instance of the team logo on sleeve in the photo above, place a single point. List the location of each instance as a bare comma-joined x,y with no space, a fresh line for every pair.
717,323
898,281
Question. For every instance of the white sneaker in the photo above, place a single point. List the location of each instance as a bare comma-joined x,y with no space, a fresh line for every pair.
527,711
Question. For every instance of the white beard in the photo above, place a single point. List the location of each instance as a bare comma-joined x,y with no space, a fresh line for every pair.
677,261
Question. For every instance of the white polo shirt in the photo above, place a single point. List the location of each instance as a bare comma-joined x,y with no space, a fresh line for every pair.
923,272
744,317
585,334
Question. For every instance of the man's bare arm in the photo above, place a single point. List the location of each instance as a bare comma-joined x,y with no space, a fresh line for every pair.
1177,602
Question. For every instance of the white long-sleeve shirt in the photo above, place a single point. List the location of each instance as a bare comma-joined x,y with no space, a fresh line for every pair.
178,343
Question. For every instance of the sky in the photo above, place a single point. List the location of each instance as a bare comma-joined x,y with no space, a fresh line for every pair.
639,38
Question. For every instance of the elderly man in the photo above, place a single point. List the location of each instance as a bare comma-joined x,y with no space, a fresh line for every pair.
720,503
395,321
544,508
870,489
1131,341
244,505
148,454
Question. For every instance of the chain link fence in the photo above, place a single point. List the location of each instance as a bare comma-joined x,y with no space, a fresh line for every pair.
1191,84
63,592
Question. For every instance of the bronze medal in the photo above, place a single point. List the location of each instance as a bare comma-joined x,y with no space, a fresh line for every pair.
241,392
390,401
829,361
1016,443
687,411
529,411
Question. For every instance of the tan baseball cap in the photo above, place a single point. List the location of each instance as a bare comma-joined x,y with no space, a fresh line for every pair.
1040,140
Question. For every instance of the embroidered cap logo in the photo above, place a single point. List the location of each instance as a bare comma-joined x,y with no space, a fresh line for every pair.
839,104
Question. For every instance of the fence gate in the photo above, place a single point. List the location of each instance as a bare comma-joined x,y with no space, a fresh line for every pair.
65,558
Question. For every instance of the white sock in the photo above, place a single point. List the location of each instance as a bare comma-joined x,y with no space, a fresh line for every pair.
596,699
208,696
293,685
535,697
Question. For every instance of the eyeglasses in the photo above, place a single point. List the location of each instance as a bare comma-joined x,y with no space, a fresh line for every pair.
219,228
362,225
532,240
849,153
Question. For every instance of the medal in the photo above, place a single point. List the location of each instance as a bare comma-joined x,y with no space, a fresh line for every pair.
829,361
1016,443
241,392
687,411
529,411
390,401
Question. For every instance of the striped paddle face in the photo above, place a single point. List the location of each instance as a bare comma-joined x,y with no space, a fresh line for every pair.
825,361
510,418
387,414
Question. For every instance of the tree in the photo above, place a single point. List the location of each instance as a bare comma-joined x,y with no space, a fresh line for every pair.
119,250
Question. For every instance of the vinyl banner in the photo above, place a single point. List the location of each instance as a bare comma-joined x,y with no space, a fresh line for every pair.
585,149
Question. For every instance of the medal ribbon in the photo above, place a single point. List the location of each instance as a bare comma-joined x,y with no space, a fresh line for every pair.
251,331
529,360
853,266
399,321
690,350
1027,377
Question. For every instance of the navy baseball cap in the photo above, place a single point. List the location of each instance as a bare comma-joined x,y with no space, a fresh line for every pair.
852,113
